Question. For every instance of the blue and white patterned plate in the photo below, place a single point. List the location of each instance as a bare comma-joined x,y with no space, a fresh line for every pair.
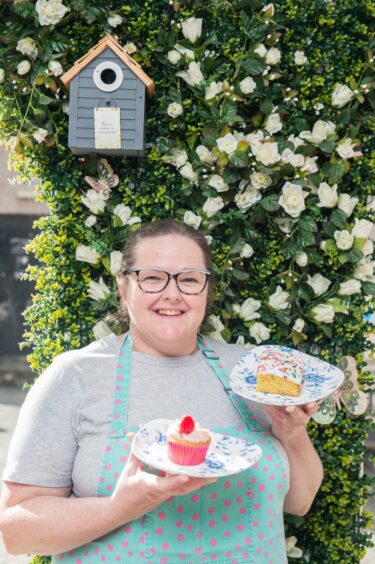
319,379
227,455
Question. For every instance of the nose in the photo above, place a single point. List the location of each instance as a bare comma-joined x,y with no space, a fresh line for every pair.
171,291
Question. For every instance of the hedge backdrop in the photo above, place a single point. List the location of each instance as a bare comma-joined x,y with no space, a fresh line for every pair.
260,132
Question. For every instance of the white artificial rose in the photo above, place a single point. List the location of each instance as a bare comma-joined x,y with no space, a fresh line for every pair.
40,134
297,161
323,313
11,143
187,53
318,283
204,154
190,218
55,68
367,248
247,251
284,224
345,148
273,56
98,290
261,50
65,108
124,214
266,153
2,75
269,9
347,204
364,271
291,549
349,287
216,323
209,239
300,57
192,29
115,261
193,75
259,332
242,343
248,309
101,330
301,259
292,199
94,200
273,123
114,20
327,195
344,240
27,46
319,133
362,228
212,206
179,157
174,57
227,144
254,139
279,300
130,48
247,85
297,142
174,109
299,324
341,95
260,180
310,165
247,198
213,90
90,221
23,67
87,254
50,12
188,173
216,181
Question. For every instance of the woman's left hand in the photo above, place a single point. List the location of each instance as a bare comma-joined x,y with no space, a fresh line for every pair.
288,422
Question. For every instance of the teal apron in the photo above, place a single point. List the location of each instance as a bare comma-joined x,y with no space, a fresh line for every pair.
238,519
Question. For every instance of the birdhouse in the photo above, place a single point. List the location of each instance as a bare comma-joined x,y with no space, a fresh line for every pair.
107,100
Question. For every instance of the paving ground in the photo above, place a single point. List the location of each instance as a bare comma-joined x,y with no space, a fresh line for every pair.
10,400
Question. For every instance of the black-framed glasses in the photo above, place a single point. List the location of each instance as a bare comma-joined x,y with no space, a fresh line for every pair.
155,280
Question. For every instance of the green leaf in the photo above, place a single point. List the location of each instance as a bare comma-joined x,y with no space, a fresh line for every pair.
45,100
239,159
333,171
307,224
266,107
327,330
270,203
231,175
368,288
228,113
328,146
284,318
254,28
253,66
355,255
328,228
239,274
338,218
24,9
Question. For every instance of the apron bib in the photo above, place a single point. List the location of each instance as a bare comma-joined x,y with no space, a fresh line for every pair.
237,520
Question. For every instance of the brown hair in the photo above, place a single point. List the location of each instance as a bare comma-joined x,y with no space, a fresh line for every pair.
154,229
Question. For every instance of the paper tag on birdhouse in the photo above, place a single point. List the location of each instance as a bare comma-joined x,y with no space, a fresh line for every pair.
107,128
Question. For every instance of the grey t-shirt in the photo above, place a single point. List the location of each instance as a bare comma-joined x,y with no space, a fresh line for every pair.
66,418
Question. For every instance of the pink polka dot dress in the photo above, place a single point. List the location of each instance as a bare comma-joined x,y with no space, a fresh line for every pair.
239,519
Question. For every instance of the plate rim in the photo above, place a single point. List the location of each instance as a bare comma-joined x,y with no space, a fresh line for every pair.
287,400
184,470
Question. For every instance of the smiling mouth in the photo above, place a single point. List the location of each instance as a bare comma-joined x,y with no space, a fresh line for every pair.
169,312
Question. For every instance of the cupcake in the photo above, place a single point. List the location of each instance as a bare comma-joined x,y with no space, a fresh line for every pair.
187,442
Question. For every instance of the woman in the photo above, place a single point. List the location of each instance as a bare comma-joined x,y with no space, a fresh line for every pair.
72,489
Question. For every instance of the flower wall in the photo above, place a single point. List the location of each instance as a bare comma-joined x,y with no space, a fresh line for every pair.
260,134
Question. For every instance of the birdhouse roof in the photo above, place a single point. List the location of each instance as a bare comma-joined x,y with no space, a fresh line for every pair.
108,42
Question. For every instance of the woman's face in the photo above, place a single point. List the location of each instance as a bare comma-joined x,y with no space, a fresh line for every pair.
165,323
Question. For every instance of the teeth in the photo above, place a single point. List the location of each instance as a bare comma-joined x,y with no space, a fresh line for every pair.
169,312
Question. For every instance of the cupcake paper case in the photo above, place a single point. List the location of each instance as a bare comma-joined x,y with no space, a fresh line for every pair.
187,442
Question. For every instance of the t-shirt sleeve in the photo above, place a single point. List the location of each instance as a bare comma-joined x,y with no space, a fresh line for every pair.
44,444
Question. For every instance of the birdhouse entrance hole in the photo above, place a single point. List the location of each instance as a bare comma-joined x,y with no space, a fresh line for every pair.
108,76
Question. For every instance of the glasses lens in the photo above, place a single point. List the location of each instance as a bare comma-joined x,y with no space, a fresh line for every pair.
191,281
152,280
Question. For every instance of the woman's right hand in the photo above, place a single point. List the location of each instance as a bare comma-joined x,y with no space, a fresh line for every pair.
138,492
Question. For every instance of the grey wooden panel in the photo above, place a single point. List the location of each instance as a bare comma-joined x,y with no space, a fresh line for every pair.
140,119
90,103
127,114
73,109
120,94
88,82
87,72
83,133
89,122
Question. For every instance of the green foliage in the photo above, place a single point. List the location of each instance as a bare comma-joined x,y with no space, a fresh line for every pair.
210,166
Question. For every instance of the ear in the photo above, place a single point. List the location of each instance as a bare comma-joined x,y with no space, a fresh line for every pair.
122,286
